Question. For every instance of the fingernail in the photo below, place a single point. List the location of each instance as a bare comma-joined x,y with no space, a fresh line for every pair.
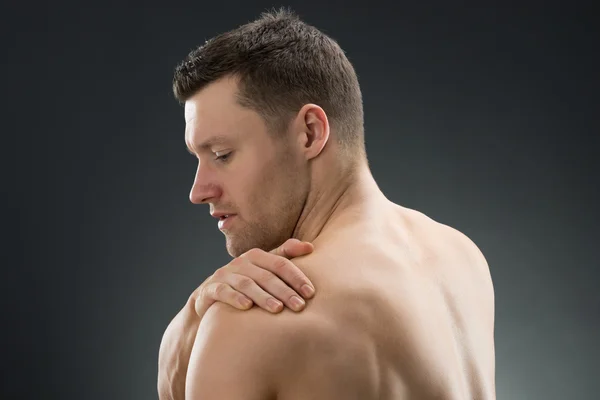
297,303
274,305
307,291
246,303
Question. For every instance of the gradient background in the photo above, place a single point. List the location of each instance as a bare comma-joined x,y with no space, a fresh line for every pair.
485,119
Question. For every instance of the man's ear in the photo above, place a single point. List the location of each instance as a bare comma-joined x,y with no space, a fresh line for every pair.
312,128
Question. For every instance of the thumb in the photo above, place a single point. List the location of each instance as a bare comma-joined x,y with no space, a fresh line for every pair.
293,248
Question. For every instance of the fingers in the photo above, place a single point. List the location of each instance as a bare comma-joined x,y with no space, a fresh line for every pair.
283,268
268,280
242,292
250,287
225,293
276,273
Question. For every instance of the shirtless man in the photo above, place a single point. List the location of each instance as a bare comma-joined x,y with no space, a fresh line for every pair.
404,305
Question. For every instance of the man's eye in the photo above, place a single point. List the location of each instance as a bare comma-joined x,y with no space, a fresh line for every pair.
223,157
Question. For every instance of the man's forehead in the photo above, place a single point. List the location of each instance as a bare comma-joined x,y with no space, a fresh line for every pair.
198,139
192,131
190,112
211,118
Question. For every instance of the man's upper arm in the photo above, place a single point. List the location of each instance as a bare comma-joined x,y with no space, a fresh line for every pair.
234,356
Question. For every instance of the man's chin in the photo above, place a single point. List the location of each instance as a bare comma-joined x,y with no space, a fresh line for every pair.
237,246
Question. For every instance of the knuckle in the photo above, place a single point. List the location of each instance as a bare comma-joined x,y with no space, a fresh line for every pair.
219,289
252,252
266,276
282,250
237,262
201,294
219,273
245,283
299,278
280,264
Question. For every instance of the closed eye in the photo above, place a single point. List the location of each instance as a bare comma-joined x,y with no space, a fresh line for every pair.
223,158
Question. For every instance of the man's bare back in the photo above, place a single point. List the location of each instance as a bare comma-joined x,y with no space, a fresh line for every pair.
405,310
403,306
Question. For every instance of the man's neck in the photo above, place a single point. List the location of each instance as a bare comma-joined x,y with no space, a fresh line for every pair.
335,198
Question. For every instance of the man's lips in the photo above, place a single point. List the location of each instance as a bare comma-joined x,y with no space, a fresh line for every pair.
221,214
225,221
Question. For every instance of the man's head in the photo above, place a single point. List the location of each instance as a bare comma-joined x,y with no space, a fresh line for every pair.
274,90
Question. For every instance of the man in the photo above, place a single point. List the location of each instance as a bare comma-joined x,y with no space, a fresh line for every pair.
404,306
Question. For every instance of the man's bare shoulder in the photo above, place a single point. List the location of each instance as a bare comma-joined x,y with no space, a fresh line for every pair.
258,323
283,346
280,337
440,241
243,354
423,225
321,352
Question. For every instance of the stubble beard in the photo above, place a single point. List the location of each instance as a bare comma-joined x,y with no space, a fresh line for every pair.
268,231
261,235
277,224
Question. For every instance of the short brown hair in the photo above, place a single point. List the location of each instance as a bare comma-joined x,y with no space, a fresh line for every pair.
282,63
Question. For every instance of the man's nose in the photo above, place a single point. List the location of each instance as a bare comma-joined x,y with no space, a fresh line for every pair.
204,188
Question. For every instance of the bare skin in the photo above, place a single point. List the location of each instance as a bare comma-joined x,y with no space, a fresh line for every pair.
404,306
405,310
267,280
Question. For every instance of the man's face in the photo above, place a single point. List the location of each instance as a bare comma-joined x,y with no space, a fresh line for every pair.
263,182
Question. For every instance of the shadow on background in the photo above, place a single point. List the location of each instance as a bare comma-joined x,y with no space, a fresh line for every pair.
484,119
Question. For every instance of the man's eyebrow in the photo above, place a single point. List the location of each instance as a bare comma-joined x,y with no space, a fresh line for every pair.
210,142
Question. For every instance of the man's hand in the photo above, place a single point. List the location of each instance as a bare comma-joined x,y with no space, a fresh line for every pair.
255,276
258,277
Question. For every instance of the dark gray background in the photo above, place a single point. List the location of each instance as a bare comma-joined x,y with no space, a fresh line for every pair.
484,118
